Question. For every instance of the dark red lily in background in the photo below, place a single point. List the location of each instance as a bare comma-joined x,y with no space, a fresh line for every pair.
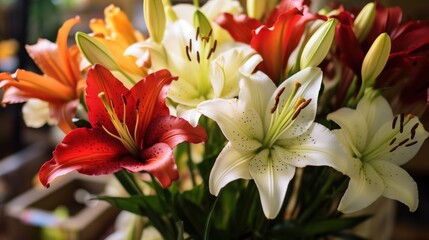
275,38
131,129
404,75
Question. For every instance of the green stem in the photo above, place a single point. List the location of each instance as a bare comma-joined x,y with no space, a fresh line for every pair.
209,218
196,3
190,163
128,182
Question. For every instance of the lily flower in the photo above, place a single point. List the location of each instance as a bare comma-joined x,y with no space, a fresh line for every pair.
271,132
216,68
131,129
117,33
378,143
62,83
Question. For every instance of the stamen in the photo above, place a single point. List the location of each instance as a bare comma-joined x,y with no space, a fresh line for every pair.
392,142
190,45
413,130
187,53
393,149
198,57
198,33
302,106
124,100
394,122
210,33
401,121
410,144
210,53
403,142
214,45
277,98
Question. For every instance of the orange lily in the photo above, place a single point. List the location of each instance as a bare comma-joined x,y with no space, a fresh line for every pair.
62,83
117,34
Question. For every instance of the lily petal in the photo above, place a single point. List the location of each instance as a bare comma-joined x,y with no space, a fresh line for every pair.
96,148
242,127
399,185
231,164
272,178
316,147
362,191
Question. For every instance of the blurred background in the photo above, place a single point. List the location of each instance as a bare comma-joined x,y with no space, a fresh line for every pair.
23,150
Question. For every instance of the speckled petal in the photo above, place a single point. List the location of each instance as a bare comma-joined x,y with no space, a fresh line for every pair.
272,177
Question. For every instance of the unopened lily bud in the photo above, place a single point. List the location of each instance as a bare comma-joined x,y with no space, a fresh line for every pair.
155,19
318,45
255,8
375,59
364,21
95,52
202,23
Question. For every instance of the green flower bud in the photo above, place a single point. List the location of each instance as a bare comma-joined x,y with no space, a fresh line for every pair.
318,45
96,52
375,59
364,21
201,22
155,19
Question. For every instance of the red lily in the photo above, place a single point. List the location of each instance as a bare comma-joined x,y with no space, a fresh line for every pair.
405,71
276,39
60,86
131,129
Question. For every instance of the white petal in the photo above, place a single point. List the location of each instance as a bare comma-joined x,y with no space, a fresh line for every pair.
229,166
362,191
256,91
354,128
242,127
399,185
310,80
189,114
272,177
396,147
376,112
184,92
36,113
218,77
213,8
316,147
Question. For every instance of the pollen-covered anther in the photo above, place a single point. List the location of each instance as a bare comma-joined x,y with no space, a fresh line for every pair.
300,107
413,130
277,98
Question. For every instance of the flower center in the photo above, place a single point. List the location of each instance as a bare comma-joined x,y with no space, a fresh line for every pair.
123,132
282,117
200,51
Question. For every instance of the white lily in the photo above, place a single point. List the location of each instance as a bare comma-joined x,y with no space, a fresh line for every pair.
378,144
271,131
205,68
36,113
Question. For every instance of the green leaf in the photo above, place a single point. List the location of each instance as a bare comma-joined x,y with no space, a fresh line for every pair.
137,204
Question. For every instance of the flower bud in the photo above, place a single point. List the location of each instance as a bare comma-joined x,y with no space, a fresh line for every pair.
95,52
364,21
201,22
155,19
375,59
318,45
255,8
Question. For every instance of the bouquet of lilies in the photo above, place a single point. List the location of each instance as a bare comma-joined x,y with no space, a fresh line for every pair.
236,120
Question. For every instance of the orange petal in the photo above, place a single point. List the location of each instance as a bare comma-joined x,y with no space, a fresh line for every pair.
120,24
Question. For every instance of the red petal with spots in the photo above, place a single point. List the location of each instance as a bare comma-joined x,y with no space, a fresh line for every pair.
277,43
88,151
173,130
99,80
151,93
158,161
240,27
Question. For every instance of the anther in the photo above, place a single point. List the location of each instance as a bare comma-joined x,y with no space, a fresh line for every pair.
198,57
401,126
393,149
403,142
302,106
190,45
394,122
413,130
210,33
187,53
124,100
214,45
137,103
410,144
198,33
392,142
277,98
